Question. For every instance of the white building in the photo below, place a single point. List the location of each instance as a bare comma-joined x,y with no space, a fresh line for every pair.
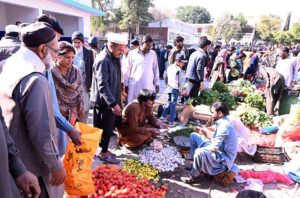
177,28
72,14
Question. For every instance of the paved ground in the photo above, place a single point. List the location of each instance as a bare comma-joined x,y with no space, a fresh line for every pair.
207,187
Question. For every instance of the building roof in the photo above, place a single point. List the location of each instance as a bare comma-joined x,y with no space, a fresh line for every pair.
86,8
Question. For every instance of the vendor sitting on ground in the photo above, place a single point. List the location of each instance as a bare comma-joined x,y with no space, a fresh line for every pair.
213,153
139,123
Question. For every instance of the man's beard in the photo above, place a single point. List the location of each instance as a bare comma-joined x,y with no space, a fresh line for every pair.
48,61
78,50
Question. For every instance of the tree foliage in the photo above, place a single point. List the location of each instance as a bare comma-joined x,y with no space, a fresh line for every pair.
134,13
243,23
267,25
98,23
226,27
193,14
295,31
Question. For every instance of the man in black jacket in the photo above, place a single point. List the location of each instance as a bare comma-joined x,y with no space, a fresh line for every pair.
10,43
106,91
84,60
195,68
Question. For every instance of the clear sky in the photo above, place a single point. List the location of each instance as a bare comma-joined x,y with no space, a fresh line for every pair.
253,8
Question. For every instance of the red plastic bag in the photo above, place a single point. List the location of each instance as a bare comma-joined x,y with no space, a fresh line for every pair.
267,176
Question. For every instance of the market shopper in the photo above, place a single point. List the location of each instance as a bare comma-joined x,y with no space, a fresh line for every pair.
134,43
177,49
10,43
93,44
27,107
84,60
12,166
219,68
106,92
139,122
69,89
142,71
62,124
285,66
195,68
174,87
274,87
213,153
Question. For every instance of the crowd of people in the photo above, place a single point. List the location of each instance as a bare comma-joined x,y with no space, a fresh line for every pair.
47,85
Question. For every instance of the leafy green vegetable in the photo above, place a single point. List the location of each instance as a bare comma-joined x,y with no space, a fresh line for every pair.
220,87
207,97
186,131
228,100
253,117
255,100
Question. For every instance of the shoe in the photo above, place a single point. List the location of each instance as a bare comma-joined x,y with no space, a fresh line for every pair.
191,180
109,159
162,118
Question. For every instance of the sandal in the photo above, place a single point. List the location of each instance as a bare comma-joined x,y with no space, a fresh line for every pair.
191,180
109,159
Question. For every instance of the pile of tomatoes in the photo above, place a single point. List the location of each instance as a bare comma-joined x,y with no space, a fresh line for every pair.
112,182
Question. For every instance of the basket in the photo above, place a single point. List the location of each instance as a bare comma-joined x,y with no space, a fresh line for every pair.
275,155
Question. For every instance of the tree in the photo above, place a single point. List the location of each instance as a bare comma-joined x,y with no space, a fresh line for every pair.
283,37
226,27
268,25
241,19
98,23
193,14
135,12
287,22
295,31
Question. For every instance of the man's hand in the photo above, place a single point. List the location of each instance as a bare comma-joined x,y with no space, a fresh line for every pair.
157,88
58,177
117,110
155,132
163,126
75,136
29,185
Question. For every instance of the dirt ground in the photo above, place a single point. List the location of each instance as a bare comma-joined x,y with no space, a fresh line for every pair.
208,188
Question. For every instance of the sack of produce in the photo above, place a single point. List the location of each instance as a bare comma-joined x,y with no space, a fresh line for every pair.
78,159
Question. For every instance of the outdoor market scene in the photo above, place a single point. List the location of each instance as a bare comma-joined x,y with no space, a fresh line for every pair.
149,99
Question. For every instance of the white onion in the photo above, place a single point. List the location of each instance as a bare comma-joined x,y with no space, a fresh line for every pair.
165,160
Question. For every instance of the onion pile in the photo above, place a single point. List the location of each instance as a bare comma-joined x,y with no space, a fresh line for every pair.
165,160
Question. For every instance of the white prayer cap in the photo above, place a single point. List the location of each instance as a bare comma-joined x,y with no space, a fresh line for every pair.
12,28
117,38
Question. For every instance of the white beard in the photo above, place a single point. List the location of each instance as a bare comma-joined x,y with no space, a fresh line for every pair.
79,50
48,61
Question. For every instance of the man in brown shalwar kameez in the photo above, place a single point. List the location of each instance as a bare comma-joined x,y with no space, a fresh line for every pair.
139,123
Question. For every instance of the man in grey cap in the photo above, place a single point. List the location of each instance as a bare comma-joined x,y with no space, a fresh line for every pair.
84,60
10,43
106,91
27,106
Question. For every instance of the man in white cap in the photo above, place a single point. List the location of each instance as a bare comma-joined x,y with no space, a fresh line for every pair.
106,91
10,43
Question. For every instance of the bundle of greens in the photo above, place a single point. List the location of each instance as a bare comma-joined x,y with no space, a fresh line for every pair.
220,87
255,100
207,97
252,117
228,100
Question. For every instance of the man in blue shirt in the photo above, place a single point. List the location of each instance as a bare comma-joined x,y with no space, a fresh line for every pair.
213,153
61,122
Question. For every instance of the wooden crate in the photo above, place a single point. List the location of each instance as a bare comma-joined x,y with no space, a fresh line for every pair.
270,155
